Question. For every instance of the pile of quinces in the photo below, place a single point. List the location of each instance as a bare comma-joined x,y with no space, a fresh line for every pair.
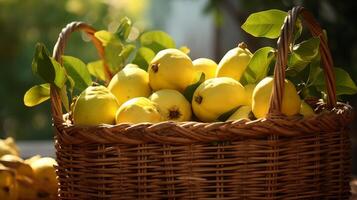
153,80
30,179
135,96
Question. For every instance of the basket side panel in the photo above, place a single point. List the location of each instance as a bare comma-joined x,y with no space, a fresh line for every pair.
312,166
337,165
300,167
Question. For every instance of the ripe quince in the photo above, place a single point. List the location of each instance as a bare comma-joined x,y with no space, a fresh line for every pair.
205,65
172,105
261,98
217,96
130,82
95,105
138,110
234,62
171,69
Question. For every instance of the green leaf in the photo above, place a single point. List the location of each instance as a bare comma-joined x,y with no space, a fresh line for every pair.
302,55
265,23
314,71
96,69
37,94
344,83
157,40
126,53
42,65
124,28
61,74
78,72
104,37
112,52
188,93
71,84
258,66
223,117
310,91
307,50
143,57
47,68
113,47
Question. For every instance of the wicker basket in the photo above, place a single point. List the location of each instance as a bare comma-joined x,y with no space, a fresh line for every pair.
274,158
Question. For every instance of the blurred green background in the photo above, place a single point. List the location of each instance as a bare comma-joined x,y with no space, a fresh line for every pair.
208,27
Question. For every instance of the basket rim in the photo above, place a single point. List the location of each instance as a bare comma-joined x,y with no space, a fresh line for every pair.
193,132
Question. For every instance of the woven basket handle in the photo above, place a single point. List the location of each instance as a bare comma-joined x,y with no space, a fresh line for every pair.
58,51
284,42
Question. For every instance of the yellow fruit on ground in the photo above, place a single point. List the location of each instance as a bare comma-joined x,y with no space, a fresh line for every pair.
242,112
205,65
8,185
23,170
8,146
249,93
45,174
261,98
217,96
306,110
11,143
171,69
234,62
130,82
32,159
27,191
172,105
95,105
138,110
30,189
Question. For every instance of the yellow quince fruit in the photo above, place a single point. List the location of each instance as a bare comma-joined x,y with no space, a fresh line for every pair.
95,105
249,93
261,98
205,65
32,159
234,62
242,112
8,146
8,184
130,82
45,174
138,110
217,96
27,191
306,110
23,170
171,69
172,105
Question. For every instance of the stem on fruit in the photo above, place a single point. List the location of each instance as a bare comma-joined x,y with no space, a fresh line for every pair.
174,114
198,99
155,67
242,45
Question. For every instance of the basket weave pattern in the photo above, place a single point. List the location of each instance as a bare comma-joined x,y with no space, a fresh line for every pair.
274,158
